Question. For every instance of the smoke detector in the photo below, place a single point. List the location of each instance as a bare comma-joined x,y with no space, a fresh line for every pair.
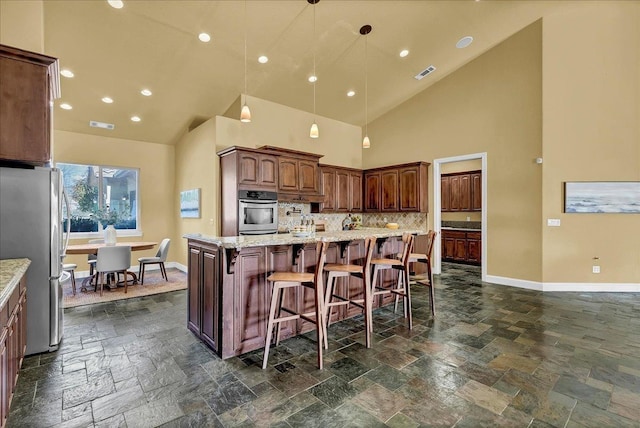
103,125
425,72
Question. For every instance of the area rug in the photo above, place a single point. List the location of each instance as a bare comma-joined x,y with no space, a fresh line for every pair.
153,284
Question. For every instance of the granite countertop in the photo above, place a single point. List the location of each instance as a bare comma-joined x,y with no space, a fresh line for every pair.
11,270
463,229
239,242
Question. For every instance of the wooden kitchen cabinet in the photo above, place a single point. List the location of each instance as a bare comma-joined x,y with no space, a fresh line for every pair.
398,188
257,171
29,83
462,246
298,175
461,192
13,344
203,315
342,189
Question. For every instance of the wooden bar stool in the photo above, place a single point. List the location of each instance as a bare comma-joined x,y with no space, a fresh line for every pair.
286,280
426,258
402,286
359,271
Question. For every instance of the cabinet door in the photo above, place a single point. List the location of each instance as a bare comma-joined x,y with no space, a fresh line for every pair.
193,290
287,175
389,194
454,187
454,244
460,249
25,112
328,190
22,326
210,298
250,291
476,191
308,176
474,246
343,195
355,183
372,189
248,168
268,171
465,192
409,186
445,193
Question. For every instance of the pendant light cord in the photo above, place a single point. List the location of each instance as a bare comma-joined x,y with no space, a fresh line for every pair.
366,88
245,51
314,63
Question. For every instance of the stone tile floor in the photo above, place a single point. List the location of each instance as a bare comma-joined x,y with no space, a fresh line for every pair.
494,356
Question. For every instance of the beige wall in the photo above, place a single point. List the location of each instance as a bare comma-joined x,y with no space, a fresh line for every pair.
197,166
22,24
591,93
493,105
156,199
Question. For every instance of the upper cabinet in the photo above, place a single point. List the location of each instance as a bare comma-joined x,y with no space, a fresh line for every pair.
28,85
461,191
342,189
298,175
248,169
399,188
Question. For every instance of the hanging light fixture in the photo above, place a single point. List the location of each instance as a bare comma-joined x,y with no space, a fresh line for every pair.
365,30
245,113
314,132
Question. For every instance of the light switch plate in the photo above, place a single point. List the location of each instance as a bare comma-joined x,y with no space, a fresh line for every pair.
553,222
596,269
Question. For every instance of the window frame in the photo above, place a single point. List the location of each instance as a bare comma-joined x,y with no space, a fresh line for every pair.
100,232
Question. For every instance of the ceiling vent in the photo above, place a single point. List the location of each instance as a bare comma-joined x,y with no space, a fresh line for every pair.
424,72
94,124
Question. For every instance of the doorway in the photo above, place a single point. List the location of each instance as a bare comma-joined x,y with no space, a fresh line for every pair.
437,206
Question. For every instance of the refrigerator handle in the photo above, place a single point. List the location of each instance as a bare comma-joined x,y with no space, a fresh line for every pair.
68,228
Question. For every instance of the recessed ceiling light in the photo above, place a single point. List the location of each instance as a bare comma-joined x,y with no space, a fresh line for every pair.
135,119
313,79
146,92
204,37
464,42
351,93
107,100
263,59
65,106
404,53
116,4
67,73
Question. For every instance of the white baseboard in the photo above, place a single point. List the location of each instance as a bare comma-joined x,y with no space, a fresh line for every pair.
134,268
600,287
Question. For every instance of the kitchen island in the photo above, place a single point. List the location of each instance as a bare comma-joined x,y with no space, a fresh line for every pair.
228,292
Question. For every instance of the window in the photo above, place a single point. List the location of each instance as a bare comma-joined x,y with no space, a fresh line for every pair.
100,195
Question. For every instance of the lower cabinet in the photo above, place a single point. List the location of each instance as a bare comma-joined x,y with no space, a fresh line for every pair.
203,315
461,246
13,344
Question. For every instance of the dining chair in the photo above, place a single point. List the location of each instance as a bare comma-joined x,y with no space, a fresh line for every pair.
91,258
116,260
71,267
159,259
288,280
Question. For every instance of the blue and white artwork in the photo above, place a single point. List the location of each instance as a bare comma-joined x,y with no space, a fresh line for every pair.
190,203
602,197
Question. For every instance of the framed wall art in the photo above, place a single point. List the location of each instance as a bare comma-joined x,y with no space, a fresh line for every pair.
190,203
602,197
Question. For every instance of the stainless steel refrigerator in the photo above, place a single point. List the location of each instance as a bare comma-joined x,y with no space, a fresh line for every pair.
31,203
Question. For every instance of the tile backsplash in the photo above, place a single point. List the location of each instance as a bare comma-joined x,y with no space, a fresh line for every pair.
290,213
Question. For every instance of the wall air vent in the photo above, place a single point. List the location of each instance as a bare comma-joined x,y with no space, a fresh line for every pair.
424,72
94,124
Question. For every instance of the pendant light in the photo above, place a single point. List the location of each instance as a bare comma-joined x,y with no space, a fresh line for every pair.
365,30
245,113
314,132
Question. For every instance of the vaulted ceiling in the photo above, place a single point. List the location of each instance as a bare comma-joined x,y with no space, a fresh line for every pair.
154,44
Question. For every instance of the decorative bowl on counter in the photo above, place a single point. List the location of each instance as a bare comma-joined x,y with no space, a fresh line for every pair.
392,225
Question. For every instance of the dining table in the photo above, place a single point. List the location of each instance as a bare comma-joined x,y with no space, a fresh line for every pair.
92,248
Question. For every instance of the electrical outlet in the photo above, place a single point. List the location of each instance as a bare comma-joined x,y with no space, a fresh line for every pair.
596,269
553,222
468,218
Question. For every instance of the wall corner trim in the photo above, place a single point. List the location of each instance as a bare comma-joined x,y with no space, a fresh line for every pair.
579,287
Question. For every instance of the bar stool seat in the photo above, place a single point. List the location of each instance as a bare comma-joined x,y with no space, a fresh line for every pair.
337,270
402,286
286,280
